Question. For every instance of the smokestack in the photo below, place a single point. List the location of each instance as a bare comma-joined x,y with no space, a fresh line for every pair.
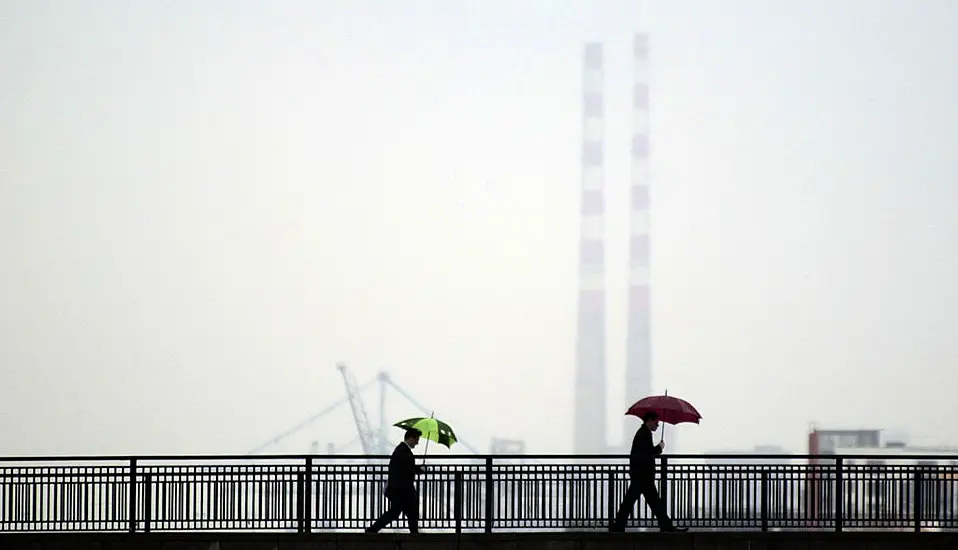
589,424
638,365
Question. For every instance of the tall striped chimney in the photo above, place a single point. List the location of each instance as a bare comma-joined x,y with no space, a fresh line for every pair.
638,364
589,424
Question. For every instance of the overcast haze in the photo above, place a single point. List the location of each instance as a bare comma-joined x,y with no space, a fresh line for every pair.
204,205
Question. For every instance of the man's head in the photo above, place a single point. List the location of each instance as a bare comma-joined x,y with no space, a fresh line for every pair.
412,437
651,420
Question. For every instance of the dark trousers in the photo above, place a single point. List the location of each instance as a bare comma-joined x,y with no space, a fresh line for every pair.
401,502
644,486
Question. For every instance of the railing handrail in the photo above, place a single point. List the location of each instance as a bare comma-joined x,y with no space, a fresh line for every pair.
567,457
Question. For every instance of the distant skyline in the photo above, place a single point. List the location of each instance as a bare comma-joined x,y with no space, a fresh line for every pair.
205,205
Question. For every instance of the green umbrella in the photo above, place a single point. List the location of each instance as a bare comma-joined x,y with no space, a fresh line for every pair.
431,428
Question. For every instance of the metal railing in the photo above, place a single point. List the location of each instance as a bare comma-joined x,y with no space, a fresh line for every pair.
474,494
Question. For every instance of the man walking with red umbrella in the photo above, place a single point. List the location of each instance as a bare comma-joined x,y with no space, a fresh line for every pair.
642,477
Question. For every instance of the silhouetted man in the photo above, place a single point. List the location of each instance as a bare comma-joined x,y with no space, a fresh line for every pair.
642,477
401,485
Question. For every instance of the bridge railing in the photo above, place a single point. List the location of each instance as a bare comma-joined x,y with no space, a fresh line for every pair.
459,494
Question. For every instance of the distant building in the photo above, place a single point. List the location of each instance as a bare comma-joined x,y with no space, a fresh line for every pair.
872,442
825,442
867,485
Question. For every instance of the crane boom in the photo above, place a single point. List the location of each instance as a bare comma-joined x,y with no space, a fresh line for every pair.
374,441
299,426
366,435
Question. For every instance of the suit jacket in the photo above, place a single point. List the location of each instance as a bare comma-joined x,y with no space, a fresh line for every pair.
642,457
402,472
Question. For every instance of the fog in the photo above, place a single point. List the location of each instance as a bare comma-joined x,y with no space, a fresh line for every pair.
205,205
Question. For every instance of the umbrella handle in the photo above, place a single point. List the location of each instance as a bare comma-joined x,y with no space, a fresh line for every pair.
662,436
426,451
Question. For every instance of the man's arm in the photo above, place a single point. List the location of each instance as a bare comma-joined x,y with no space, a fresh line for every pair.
651,448
657,449
409,465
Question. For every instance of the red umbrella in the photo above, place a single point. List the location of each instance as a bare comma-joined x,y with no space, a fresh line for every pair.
671,410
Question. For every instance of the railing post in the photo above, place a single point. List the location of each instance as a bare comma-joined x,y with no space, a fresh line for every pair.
490,490
300,502
457,488
147,501
569,507
611,497
919,498
423,485
764,506
664,481
132,495
839,494
308,497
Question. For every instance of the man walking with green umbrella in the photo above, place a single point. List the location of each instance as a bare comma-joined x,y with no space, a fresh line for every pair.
401,485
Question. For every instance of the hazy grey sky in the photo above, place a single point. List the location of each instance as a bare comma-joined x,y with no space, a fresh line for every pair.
205,204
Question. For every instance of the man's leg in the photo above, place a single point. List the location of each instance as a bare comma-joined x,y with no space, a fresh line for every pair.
411,509
388,517
625,510
657,506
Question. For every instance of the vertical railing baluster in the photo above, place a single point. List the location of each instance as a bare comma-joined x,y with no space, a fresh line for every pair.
839,494
664,480
300,502
308,497
490,495
919,498
147,501
132,495
457,501
610,513
764,507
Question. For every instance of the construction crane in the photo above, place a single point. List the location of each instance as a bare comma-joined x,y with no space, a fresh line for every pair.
375,441
368,438
299,426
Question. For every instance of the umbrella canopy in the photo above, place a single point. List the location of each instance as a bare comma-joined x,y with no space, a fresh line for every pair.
431,428
671,410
